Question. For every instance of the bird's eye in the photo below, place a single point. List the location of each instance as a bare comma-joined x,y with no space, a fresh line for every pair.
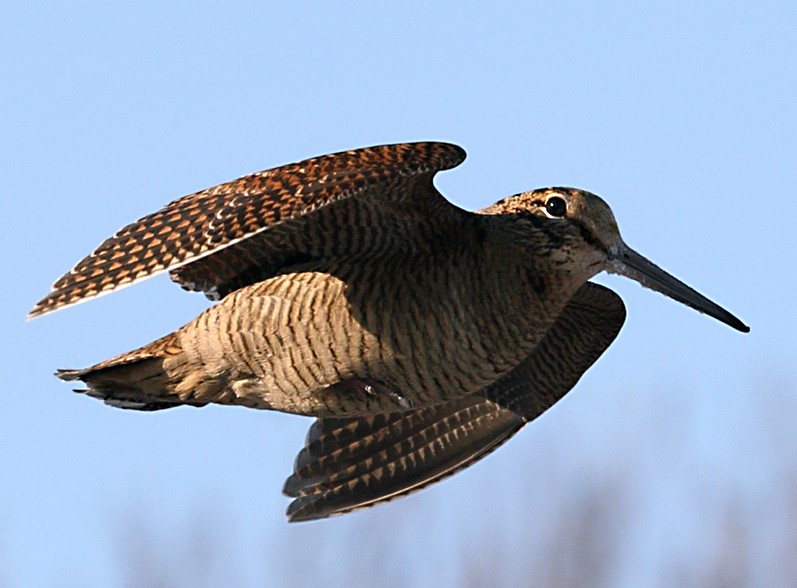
556,207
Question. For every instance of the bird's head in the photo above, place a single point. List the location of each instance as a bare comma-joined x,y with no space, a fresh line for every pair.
582,234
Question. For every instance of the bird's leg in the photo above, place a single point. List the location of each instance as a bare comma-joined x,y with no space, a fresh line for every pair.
375,388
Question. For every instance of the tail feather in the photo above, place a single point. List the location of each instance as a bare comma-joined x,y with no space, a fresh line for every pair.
135,380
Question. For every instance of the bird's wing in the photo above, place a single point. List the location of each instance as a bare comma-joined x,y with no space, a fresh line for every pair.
353,463
349,203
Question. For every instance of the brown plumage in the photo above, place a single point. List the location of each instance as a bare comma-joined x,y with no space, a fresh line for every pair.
352,463
215,241
351,290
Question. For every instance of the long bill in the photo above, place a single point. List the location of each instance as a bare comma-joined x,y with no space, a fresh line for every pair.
627,262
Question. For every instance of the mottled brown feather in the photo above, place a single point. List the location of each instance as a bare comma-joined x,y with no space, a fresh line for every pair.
353,463
222,238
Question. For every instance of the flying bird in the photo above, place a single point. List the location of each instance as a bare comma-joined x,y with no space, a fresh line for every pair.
420,335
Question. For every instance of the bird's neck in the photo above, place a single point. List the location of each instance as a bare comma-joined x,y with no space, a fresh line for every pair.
528,277
547,261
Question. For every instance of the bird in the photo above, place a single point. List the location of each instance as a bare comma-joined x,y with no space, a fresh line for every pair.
420,335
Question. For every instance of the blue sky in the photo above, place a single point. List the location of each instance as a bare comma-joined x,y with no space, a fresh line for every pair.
681,115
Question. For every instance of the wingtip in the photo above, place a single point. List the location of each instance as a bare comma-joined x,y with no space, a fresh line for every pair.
48,304
306,509
299,511
56,299
37,310
294,486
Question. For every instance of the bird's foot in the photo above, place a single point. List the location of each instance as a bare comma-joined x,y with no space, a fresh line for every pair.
375,388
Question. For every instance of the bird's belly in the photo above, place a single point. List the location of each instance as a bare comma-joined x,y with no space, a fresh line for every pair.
303,343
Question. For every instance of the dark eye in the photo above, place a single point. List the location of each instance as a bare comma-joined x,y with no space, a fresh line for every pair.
556,207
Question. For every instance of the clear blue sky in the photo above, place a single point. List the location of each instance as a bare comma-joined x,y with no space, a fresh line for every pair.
681,115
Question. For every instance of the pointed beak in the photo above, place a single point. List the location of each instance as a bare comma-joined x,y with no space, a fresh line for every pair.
627,262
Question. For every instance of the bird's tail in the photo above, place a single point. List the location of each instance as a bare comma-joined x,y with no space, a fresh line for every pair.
136,380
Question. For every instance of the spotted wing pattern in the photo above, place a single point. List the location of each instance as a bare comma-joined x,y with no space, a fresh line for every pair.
348,464
206,238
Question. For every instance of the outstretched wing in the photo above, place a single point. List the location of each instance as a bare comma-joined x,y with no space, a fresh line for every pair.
353,463
217,240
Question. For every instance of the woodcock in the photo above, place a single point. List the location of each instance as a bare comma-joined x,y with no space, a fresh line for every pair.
421,336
